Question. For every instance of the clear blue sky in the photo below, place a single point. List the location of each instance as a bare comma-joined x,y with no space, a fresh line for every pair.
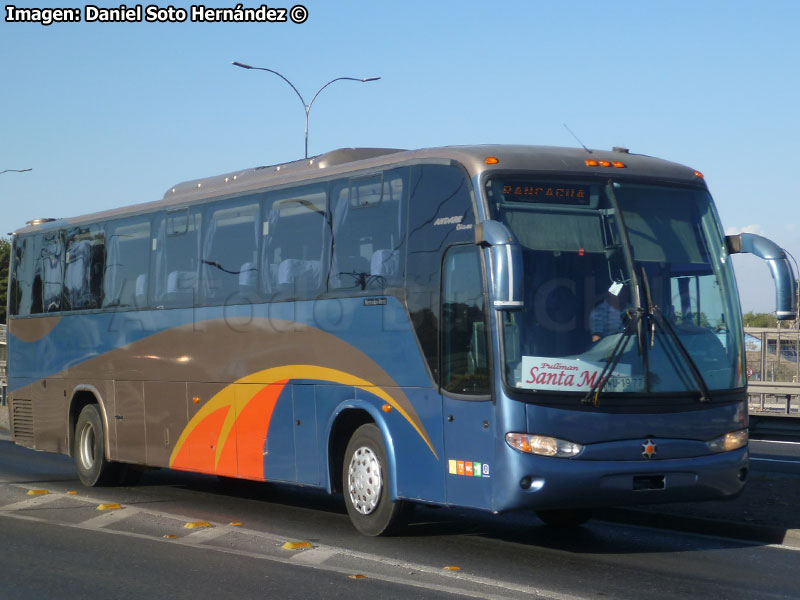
114,114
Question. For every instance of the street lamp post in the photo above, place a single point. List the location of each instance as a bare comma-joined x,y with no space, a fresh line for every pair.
15,171
306,107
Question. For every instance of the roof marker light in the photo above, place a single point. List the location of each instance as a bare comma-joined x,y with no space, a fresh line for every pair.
618,164
491,160
590,162
604,163
699,174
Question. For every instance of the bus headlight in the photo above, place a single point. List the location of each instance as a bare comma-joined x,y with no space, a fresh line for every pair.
543,445
729,441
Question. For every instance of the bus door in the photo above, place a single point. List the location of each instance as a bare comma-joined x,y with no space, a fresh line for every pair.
468,409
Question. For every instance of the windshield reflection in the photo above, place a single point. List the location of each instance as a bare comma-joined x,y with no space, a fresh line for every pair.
639,302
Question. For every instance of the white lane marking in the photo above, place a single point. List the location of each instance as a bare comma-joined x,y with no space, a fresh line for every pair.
503,588
777,460
790,534
107,518
316,556
775,442
489,588
204,535
32,502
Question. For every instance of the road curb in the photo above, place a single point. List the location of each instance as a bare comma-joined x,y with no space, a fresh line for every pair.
745,532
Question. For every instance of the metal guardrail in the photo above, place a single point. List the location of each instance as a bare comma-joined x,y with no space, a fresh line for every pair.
774,398
774,410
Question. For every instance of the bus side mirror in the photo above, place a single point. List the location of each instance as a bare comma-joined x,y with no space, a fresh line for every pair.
505,264
782,273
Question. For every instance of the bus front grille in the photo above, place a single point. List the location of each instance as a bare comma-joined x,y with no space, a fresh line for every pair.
22,421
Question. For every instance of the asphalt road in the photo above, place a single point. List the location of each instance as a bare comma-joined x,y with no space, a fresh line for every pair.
777,456
59,544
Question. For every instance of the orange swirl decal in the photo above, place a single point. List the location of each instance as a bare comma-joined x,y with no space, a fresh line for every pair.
227,435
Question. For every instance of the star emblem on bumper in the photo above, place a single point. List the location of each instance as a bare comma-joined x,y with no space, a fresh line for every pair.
649,449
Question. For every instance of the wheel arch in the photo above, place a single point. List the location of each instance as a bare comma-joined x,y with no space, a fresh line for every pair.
83,395
348,417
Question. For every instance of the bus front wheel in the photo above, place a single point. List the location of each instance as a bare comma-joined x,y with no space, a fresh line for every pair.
89,449
365,476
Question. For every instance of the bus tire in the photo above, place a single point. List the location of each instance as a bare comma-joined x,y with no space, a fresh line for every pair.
89,449
365,478
565,517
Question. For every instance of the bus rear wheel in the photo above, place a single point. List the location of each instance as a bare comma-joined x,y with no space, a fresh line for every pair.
365,476
89,449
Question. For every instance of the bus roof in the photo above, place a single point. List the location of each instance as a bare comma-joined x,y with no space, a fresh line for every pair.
538,159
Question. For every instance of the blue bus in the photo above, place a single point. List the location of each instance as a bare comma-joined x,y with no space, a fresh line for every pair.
495,327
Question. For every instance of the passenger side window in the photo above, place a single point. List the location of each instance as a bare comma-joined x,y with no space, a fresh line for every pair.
20,291
295,229
230,252
49,269
369,232
84,266
127,263
176,258
465,366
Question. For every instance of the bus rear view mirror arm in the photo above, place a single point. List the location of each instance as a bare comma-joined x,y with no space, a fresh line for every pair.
505,264
782,273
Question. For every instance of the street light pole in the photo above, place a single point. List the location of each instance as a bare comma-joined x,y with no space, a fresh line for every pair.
306,107
15,171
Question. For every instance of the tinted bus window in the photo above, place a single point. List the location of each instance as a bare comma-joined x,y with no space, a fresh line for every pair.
230,251
440,214
49,269
465,366
176,258
295,227
22,276
84,266
127,263
369,232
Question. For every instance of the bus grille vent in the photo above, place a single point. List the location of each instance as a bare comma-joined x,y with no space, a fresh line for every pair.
22,421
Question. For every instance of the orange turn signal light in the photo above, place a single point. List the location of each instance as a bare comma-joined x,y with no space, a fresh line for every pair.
387,408
491,160
591,162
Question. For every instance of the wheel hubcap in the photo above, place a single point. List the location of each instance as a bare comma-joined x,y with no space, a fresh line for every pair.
364,480
87,446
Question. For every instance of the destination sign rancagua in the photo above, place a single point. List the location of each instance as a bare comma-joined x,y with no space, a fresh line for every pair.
545,192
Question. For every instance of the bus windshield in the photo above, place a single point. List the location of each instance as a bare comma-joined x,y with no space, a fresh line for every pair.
648,296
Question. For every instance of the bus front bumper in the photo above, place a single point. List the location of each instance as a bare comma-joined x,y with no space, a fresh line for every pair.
542,483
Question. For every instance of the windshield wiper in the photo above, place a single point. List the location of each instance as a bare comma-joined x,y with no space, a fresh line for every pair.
636,315
633,317
641,318
705,394
655,315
